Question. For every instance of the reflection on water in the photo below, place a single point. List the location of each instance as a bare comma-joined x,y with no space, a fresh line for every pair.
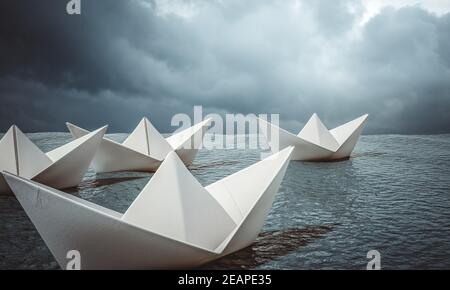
269,246
392,195
213,165
367,154
94,183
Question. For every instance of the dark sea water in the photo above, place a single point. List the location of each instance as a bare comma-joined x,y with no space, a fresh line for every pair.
393,196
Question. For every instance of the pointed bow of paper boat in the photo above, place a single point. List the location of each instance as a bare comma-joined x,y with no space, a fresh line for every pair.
145,148
62,167
315,142
174,222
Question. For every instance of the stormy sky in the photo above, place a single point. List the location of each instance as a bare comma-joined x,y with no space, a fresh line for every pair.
123,59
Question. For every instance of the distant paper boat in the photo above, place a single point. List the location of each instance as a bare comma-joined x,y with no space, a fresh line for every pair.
62,167
145,148
315,142
174,222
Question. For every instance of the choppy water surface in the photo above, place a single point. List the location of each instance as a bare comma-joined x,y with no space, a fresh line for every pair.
393,195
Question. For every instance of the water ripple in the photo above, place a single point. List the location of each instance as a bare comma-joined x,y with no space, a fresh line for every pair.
393,195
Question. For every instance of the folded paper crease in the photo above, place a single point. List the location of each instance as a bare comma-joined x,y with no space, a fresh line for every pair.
174,222
62,167
145,148
315,142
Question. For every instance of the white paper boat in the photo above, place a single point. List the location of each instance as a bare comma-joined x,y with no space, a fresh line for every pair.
62,167
145,148
174,222
315,142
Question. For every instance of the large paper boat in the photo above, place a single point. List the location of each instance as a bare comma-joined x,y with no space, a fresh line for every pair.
315,142
62,167
174,222
145,148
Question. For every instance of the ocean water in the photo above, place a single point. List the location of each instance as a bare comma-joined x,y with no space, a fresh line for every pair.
393,196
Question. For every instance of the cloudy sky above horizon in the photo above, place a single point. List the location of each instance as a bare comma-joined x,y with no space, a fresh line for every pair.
121,60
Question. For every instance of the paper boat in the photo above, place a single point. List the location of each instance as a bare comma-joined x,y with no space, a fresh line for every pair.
62,167
145,148
174,222
315,142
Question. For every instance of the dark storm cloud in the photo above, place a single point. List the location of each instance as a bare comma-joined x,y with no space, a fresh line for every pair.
120,60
